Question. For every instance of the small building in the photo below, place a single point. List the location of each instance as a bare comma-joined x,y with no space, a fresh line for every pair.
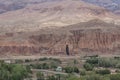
8,61
59,69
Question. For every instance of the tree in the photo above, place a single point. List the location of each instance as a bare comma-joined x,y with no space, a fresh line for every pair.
12,71
58,76
103,72
53,65
94,77
76,70
118,65
45,66
68,69
92,61
51,77
19,72
40,76
82,72
75,62
88,66
109,62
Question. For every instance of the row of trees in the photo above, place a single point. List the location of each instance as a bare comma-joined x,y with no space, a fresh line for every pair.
44,66
104,62
41,76
71,70
13,71
96,77
101,62
40,59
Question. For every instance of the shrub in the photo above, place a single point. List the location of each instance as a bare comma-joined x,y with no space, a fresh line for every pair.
76,70
40,76
13,72
118,65
92,61
71,69
88,67
51,77
103,72
94,77
115,77
68,69
43,59
27,60
45,66
40,66
105,63
82,72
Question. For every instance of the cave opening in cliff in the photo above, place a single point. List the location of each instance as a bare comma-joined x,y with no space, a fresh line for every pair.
67,50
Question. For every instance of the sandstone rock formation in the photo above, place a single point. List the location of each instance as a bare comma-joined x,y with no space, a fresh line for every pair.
92,36
32,27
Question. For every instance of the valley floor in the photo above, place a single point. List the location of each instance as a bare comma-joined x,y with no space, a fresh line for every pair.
52,56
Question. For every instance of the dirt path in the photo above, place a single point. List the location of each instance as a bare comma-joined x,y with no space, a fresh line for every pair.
37,57
48,71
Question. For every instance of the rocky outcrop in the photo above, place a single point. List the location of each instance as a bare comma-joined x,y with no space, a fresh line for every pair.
92,37
80,40
96,40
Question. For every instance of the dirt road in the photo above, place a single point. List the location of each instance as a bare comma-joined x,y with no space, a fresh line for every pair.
37,57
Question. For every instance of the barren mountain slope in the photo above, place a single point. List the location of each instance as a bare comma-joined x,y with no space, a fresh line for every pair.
12,5
52,14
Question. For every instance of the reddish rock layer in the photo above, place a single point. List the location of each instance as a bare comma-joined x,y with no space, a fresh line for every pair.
78,40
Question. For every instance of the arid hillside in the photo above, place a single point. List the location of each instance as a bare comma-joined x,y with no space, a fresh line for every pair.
53,14
92,36
57,27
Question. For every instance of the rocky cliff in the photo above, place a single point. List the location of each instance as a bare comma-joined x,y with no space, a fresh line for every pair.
92,36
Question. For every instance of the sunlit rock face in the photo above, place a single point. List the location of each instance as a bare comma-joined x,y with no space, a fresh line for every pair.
47,27
92,36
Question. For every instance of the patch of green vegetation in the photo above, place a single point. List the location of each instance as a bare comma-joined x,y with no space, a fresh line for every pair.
13,71
93,68
71,69
103,72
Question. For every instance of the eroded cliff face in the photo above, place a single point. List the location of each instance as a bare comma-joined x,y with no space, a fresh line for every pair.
96,40
79,40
